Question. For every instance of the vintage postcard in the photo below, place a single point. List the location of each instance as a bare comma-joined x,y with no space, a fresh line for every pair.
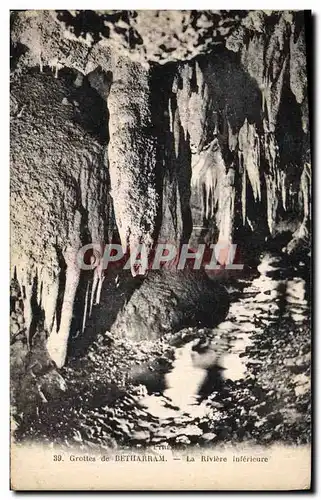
160,213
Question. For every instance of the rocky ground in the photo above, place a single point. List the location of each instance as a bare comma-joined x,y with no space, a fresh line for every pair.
99,399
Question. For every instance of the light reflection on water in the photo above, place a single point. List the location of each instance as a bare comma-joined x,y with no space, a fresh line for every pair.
269,296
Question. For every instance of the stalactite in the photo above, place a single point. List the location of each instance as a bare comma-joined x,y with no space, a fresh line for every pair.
305,191
56,206
300,237
172,216
49,298
249,148
273,59
58,340
272,201
193,101
283,189
215,185
132,157
298,73
85,313
267,59
227,210
100,284
244,183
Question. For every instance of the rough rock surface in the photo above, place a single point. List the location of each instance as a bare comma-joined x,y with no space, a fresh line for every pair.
132,155
144,36
59,198
168,301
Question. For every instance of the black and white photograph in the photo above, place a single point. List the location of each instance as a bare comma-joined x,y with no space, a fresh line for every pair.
160,247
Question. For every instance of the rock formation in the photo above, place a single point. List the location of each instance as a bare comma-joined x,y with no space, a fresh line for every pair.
168,301
184,126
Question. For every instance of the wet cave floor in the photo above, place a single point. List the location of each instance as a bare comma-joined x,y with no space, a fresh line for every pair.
248,380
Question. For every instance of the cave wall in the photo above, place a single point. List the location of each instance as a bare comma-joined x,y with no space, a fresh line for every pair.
59,197
244,110
198,131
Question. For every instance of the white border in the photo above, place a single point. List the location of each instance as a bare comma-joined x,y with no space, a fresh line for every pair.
4,186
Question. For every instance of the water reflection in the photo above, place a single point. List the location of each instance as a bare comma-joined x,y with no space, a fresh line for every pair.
271,295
